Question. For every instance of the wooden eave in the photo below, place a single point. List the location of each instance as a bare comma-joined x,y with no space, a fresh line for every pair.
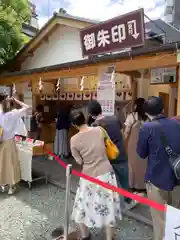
129,65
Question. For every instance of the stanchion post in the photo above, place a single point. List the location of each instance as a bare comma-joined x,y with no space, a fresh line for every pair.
66,212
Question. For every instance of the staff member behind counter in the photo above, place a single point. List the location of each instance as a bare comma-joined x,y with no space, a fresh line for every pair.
61,146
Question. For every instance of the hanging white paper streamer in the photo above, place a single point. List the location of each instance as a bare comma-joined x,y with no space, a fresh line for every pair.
58,85
82,83
40,85
113,78
14,89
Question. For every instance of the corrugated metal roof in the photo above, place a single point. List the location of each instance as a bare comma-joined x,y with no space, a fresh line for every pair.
160,27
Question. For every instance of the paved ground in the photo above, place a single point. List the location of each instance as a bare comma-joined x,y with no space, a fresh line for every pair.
32,215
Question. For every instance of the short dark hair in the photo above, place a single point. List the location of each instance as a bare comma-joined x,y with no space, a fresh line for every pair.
77,117
94,108
4,102
139,108
39,108
154,106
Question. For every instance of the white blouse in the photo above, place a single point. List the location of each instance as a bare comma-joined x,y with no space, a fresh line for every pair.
21,127
131,119
9,122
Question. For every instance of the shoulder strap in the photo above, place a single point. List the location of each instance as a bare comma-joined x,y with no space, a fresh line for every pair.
164,140
133,114
132,125
105,134
135,120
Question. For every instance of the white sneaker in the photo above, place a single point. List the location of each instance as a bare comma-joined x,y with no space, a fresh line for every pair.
12,190
131,205
3,188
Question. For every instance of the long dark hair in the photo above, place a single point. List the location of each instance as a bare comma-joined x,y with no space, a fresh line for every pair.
77,117
90,120
139,109
4,103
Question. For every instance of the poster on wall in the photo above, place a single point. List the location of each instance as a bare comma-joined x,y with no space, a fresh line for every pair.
163,75
5,90
106,97
106,90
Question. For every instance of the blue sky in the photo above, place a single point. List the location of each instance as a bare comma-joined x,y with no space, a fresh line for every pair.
98,9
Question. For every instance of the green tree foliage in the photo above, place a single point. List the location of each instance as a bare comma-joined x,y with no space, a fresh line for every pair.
13,13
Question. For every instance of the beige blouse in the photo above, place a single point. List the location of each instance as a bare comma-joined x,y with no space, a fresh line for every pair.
88,149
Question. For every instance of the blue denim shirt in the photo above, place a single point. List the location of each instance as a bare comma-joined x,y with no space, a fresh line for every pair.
159,171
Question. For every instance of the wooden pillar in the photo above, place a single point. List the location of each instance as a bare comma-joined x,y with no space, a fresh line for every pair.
140,85
171,102
34,85
134,89
143,84
178,93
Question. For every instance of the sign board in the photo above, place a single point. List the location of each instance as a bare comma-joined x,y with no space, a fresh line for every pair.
172,227
163,75
125,31
105,76
106,97
106,90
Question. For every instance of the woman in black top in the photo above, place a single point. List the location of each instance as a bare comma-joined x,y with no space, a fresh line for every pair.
61,146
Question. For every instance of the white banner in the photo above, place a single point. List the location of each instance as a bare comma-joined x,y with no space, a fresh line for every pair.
106,91
172,228
106,97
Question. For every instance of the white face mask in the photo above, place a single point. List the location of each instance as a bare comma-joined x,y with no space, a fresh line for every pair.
93,117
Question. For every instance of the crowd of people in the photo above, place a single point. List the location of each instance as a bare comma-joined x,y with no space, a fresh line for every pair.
142,165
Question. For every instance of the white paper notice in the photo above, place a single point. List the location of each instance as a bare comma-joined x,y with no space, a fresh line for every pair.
106,91
172,227
106,97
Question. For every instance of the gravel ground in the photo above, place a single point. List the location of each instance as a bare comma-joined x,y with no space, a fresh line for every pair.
32,215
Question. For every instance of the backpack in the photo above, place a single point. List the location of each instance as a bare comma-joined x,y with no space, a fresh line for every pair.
173,157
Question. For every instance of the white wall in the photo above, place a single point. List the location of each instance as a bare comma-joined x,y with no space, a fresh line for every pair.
63,46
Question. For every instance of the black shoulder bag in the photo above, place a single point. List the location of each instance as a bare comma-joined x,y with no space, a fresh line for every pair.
174,158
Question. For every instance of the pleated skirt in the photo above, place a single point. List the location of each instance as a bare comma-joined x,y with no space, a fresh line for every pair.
9,163
61,142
